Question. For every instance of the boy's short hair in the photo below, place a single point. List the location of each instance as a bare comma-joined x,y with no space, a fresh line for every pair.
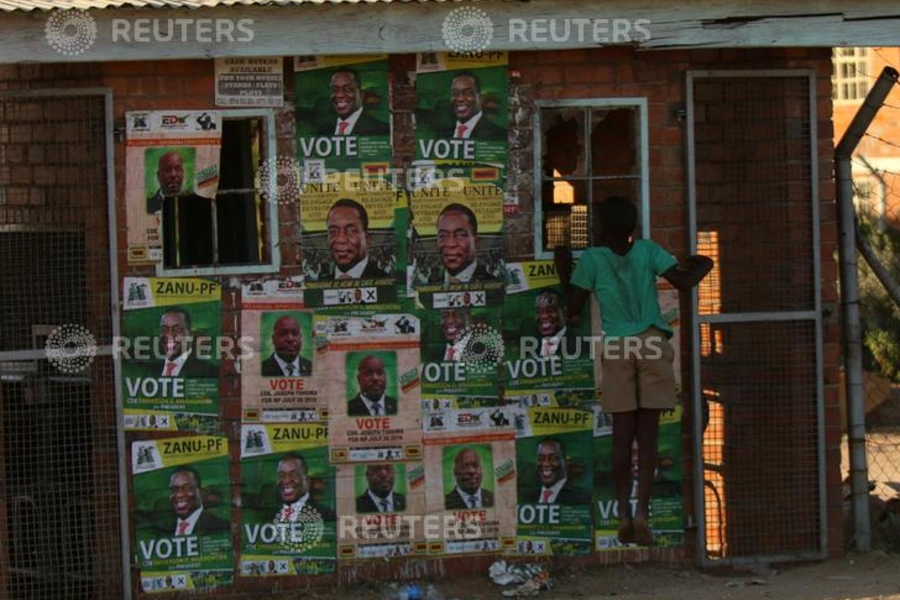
618,215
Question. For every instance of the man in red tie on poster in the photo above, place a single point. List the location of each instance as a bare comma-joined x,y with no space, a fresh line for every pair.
347,101
553,477
186,496
176,345
465,102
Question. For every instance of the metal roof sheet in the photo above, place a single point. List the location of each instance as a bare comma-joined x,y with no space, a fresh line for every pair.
48,5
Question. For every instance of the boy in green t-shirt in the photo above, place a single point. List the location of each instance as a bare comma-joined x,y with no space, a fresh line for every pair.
638,379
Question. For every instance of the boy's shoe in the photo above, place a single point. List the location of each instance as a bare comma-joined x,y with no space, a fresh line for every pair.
626,532
642,534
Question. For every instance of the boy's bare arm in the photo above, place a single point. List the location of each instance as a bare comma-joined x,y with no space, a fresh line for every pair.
690,273
575,297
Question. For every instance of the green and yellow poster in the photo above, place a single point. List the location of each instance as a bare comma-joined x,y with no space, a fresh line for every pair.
549,362
287,499
352,217
457,181
554,453
182,513
461,353
666,502
171,349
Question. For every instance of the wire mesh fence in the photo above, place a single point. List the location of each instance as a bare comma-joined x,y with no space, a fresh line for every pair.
876,190
59,500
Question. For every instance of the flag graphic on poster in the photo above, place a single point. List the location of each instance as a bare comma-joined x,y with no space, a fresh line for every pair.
171,350
287,499
171,173
182,513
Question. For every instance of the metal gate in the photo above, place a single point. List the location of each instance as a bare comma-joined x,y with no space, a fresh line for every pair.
59,447
753,194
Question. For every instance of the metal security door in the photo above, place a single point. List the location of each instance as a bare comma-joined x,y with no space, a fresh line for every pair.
753,179
59,447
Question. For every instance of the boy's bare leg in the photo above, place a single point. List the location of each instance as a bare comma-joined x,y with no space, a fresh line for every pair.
624,429
647,426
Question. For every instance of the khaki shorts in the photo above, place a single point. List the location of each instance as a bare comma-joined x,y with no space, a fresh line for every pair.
638,373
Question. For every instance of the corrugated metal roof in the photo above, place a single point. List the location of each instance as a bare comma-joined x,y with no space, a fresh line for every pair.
47,5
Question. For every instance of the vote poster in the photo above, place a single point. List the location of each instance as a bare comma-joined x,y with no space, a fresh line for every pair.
548,361
280,381
470,466
461,354
169,155
457,181
171,349
343,112
373,386
382,510
554,453
667,500
182,513
288,515
462,109
352,217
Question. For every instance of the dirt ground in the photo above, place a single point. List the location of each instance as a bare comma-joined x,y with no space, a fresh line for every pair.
872,576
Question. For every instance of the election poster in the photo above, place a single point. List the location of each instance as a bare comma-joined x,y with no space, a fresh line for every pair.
350,239
352,216
171,174
373,386
549,362
667,500
554,454
343,113
457,181
382,510
462,108
280,376
171,349
461,354
470,466
182,513
288,524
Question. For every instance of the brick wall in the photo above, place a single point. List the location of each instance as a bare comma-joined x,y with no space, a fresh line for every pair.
612,72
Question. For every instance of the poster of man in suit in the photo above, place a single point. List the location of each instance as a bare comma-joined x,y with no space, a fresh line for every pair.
373,387
287,499
182,512
172,352
280,374
545,354
470,467
555,482
387,501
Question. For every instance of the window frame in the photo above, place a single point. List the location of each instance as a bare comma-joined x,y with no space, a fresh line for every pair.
272,239
859,55
639,104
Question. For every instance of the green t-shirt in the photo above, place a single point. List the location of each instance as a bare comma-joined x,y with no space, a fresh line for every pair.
625,286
